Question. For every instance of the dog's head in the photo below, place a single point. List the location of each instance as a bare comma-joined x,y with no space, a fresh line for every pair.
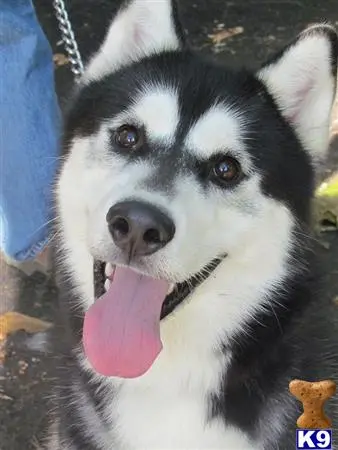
181,173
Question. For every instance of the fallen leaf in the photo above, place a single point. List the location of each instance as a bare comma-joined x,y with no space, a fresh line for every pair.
5,397
12,321
222,35
60,59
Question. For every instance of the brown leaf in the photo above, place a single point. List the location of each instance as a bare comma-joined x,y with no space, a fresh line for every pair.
60,59
12,321
222,35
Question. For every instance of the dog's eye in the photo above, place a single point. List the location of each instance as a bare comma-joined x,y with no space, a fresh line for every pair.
128,136
227,170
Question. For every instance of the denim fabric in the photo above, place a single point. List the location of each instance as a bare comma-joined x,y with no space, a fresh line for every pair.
29,131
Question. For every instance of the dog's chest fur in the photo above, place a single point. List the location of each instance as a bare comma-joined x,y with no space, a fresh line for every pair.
172,411
184,425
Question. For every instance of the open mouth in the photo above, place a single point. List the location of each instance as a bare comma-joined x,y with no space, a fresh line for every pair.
121,330
175,297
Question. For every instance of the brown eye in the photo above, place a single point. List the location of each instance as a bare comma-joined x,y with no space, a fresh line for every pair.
227,170
128,136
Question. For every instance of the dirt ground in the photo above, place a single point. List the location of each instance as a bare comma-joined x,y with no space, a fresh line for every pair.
237,32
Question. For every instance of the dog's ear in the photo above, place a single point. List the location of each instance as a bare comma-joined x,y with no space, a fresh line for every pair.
140,28
302,79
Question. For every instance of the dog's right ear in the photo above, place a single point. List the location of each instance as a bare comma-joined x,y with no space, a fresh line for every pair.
140,28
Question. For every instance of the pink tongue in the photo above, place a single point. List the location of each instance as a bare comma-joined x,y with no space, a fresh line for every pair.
121,332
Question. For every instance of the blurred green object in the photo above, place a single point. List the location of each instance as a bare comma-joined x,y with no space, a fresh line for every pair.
328,188
325,209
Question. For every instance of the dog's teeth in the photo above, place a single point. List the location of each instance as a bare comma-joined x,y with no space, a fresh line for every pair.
107,284
108,270
171,288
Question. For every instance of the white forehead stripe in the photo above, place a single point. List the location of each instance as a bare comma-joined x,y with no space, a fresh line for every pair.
158,110
217,130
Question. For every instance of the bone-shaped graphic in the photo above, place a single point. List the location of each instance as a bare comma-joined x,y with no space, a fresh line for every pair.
313,396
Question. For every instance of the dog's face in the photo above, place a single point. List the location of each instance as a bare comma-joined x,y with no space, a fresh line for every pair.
176,166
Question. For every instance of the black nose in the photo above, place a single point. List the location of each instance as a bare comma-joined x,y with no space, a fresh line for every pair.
139,228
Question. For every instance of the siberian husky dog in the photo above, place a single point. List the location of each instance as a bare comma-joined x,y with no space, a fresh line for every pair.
191,290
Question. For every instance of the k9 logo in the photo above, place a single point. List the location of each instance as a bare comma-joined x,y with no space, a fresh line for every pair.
314,439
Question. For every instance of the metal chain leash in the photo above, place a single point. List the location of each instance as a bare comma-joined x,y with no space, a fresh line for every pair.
68,38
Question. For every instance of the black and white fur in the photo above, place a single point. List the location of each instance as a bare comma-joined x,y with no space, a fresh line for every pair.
259,321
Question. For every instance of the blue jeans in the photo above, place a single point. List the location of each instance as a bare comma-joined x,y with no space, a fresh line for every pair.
29,131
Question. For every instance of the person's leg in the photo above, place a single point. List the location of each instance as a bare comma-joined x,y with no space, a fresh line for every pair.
29,131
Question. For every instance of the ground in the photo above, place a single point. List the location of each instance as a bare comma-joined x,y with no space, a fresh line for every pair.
238,32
